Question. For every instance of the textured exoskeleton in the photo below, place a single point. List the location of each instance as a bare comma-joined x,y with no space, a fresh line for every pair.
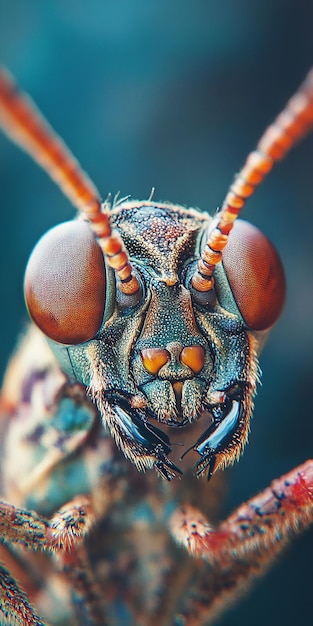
154,316
174,356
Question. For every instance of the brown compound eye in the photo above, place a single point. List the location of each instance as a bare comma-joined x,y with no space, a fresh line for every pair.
65,284
255,274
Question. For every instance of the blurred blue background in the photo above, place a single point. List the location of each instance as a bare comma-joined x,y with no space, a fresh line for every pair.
174,94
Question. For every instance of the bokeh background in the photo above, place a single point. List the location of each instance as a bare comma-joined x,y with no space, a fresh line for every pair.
173,94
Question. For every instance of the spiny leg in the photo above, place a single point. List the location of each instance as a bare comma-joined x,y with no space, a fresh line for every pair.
34,532
14,605
62,534
23,570
212,590
245,544
40,581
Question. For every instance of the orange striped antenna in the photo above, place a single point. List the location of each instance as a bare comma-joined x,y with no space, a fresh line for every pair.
293,123
24,124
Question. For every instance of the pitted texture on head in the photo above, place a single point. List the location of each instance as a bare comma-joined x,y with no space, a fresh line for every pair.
160,233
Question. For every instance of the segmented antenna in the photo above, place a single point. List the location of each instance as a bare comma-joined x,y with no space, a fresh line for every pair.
293,123
24,124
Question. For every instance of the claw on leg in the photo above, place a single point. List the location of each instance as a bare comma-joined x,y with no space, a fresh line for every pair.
70,524
66,528
191,529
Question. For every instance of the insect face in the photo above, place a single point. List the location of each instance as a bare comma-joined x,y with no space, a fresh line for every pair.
169,358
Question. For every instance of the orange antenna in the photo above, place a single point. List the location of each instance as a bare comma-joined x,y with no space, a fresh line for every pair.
24,124
293,123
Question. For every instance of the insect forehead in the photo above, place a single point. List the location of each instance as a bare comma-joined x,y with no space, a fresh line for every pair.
164,235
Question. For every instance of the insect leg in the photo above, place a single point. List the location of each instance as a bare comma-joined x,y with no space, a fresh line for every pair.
33,532
245,544
14,604
85,593
62,534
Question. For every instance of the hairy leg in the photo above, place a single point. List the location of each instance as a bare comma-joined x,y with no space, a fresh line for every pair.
63,534
244,545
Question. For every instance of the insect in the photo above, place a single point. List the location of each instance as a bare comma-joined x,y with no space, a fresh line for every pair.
139,381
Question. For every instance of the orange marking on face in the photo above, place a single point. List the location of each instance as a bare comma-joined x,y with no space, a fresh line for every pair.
193,356
154,358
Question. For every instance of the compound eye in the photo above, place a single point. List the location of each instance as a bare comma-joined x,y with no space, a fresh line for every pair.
255,274
65,284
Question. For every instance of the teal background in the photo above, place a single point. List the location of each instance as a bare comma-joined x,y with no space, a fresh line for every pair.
174,94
